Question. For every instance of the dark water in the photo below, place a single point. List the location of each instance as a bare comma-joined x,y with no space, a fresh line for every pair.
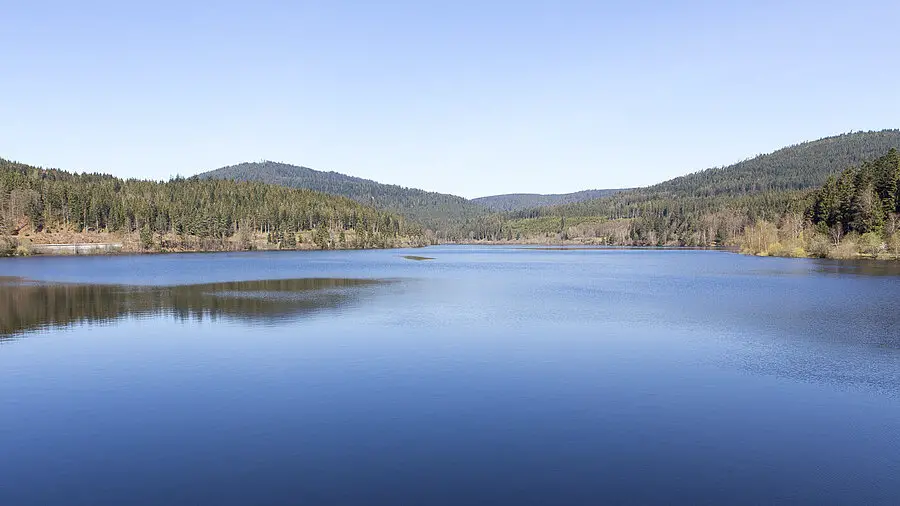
481,376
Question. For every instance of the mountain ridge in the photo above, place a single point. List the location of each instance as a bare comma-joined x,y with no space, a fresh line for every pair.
792,169
433,210
186,214
798,167
711,206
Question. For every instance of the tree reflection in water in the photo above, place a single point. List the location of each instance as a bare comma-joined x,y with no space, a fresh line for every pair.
26,306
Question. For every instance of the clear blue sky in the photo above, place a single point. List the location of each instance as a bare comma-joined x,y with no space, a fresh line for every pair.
465,97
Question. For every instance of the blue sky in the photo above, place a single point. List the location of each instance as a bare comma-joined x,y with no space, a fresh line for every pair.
464,97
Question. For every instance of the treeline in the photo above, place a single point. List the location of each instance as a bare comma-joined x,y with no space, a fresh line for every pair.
47,200
854,213
862,199
438,212
711,207
700,222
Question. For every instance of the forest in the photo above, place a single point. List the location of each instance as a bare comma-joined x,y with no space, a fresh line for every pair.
438,212
189,214
708,207
722,206
522,201
835,196
862,199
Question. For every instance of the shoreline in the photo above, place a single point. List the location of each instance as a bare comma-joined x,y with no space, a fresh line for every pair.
107,244
576,244
123,247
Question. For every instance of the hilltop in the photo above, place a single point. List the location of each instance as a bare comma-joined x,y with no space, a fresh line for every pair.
39,206
436,211
711,206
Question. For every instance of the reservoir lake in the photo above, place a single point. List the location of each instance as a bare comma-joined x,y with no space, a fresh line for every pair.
449,375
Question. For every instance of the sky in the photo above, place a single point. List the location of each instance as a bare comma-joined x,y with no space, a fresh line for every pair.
466,97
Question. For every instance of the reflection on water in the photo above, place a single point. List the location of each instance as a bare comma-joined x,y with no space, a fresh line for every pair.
28,306
487,376
861,267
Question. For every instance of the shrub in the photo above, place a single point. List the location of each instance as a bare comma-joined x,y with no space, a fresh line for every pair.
893,243
790,249
794,252
775,249
760,238
22,248
819,245
847,249
871,243
8,246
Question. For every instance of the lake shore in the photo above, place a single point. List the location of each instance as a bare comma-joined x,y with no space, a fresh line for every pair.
104,243
845,254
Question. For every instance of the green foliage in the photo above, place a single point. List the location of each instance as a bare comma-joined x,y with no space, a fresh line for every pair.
146,237
862,199
819,245
893,244
870,243
436,211
8,246
289,240
718,206
523,201
713,207
847,249
761,238
322,238
214,209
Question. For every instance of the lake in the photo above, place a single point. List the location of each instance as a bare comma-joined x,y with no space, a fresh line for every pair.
480,375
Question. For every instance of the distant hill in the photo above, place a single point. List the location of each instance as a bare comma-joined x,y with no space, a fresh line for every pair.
189,214
710,206
799,167
520,201
437,211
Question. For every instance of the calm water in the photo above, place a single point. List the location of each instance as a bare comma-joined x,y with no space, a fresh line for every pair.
483,376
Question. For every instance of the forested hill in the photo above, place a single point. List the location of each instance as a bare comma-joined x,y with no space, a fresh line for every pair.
50,200
520,201
798,167
437,211
713,206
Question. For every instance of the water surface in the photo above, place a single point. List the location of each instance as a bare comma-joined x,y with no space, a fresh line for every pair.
482,376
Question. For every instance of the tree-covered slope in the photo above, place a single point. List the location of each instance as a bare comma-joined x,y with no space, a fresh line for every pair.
437,211
862,199
713,205
520,201
794,168
49,200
